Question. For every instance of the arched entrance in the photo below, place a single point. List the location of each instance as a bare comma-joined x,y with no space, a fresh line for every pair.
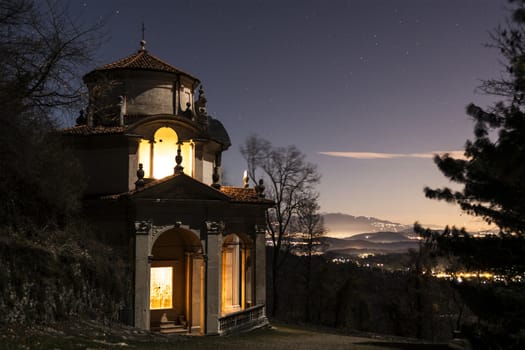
177,282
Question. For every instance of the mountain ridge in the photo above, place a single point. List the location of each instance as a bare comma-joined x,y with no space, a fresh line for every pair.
345,225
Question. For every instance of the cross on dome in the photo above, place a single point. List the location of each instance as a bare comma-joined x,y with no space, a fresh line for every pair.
143,41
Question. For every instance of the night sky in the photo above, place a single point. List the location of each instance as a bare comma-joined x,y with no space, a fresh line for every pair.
367,89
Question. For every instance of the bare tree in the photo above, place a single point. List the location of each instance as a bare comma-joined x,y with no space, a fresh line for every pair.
290,179
43,52
308,226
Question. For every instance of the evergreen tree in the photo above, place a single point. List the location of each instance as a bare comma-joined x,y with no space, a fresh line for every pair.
492,177
493,170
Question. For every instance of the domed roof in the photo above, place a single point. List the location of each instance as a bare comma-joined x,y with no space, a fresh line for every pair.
218,133
141,60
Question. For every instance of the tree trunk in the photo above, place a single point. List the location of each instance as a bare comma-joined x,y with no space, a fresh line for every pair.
275,294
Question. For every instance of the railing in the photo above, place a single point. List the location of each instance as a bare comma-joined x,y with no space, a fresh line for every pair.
244,320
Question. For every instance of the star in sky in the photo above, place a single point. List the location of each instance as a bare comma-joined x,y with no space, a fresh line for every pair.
373,76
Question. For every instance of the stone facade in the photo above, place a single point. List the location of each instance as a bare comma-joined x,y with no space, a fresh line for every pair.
152,155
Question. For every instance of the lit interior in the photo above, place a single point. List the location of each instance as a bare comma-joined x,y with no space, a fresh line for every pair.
164,153
186,151
144,156
161,288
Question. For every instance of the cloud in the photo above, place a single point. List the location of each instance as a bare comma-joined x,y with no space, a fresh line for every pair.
377,155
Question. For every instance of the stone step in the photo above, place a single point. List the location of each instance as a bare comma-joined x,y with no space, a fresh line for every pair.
174,330
169,327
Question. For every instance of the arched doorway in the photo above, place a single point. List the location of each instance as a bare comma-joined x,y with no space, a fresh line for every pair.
177,282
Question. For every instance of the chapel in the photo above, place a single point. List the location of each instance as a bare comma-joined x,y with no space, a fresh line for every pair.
152,157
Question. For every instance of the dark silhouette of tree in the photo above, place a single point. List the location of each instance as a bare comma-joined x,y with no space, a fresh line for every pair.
420,265
289,179
308,228
493,170
42,51
491,176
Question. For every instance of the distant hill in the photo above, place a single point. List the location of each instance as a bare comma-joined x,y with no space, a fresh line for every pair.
383,237
344,225
371,243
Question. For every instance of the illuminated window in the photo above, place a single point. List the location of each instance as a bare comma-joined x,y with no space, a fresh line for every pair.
186,151
161,288
144,157
164,150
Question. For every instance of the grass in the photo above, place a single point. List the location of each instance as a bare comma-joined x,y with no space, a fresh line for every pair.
93,336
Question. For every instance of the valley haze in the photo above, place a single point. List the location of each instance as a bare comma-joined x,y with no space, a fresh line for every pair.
342,226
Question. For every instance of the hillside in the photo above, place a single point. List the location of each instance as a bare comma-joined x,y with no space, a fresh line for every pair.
344,225
358,246
57,276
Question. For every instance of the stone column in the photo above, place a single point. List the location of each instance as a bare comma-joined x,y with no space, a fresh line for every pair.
198,155
213,275
260,264
142,274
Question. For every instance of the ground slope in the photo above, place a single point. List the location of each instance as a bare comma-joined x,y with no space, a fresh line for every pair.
90,335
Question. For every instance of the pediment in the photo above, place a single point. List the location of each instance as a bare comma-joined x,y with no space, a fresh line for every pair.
179,187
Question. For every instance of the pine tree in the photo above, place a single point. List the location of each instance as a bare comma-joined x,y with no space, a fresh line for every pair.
492,177
493,171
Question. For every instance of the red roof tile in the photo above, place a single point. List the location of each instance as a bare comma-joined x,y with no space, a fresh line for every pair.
237,194
142,60
240,194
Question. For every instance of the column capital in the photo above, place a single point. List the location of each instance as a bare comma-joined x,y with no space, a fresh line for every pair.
142,227
260,229
215,227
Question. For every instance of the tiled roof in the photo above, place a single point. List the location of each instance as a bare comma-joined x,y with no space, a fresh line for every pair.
142,60
236,194
240,194
94,130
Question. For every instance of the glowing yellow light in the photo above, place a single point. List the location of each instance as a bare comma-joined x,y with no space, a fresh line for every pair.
161,288
187,157
465,275
144,156
165,150
164,153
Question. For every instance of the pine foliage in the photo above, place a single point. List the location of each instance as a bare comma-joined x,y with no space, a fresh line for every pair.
493,170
